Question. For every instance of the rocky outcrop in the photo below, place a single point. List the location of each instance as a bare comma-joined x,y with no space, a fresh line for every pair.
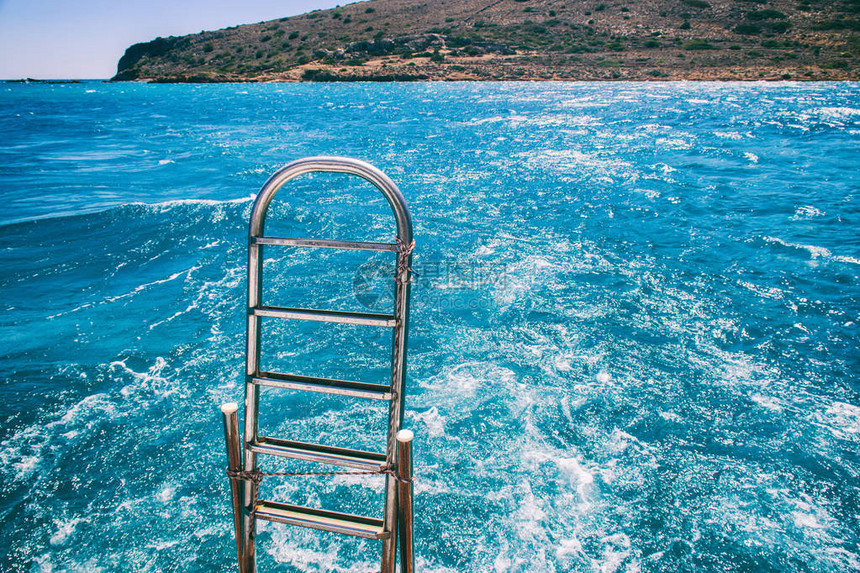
157,48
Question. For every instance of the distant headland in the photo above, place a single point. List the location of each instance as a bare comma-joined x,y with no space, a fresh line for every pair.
503,40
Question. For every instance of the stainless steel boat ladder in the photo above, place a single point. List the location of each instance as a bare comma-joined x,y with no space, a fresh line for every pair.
395,463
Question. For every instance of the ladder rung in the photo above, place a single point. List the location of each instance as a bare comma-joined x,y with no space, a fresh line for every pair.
323,385
361,318
336,522
324,243
344,457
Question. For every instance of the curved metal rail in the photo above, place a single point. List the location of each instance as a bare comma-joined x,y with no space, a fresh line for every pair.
333,165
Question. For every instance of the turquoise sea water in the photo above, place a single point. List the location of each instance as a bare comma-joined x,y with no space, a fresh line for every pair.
634,340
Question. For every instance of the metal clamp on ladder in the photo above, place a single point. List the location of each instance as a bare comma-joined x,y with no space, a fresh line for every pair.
396,462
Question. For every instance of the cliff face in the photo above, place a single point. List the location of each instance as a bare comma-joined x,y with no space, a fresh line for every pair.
521,40
127,68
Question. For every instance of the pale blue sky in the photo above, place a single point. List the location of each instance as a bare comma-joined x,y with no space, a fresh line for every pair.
51,39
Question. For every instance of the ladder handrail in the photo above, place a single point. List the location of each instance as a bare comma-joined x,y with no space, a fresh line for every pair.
332,164
398,320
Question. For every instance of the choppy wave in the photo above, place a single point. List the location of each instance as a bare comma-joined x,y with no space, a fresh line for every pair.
633,341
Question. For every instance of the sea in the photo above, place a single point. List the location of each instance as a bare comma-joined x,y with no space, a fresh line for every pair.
634,338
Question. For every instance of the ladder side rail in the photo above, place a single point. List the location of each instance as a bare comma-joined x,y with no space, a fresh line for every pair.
252,397
395,418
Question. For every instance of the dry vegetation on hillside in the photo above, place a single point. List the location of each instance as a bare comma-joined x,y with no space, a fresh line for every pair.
403,40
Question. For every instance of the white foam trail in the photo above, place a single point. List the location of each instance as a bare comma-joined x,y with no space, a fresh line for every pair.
768,402
65,528
24,450
842,419
840,113
728,135
145,286
205,202
844,259
814,251
425,565
304,550
806,212
433,422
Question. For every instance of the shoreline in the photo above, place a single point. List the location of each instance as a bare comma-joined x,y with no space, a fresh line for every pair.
197,81
519,67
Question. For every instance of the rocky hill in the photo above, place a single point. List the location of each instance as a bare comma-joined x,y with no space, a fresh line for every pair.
401,40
